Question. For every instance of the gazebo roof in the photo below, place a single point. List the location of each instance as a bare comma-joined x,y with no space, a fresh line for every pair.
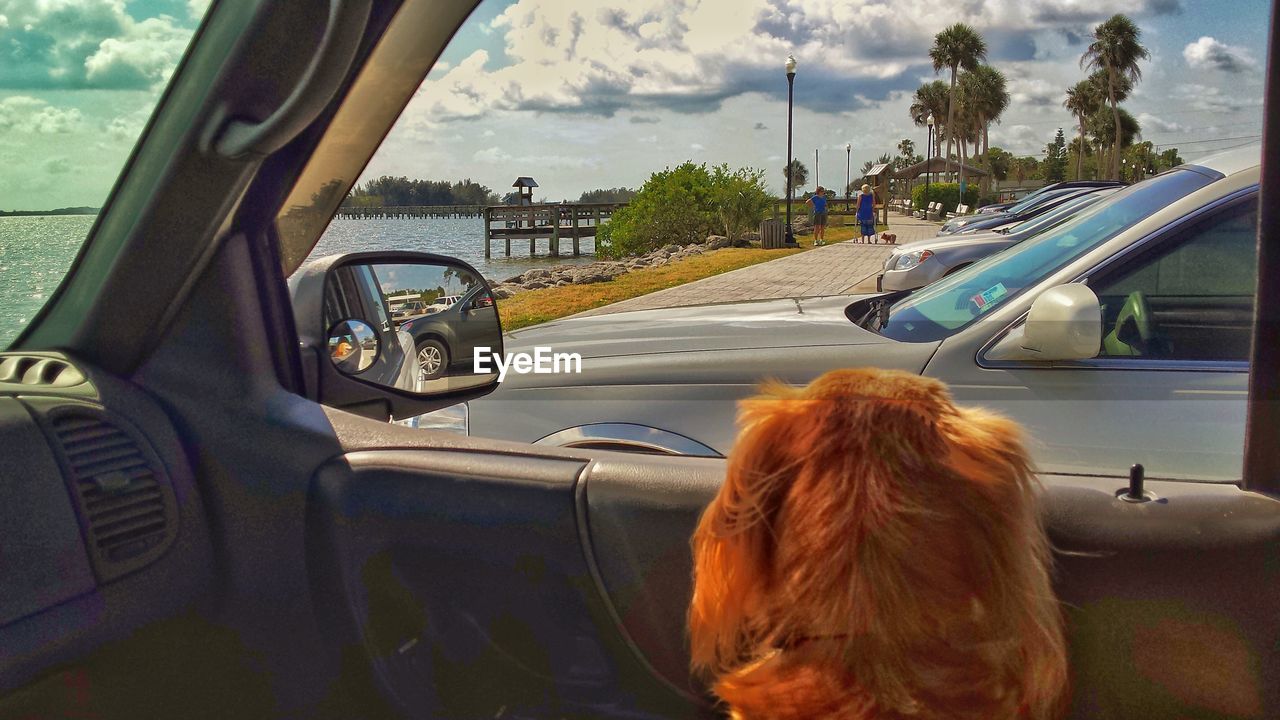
524,181
935,165
876,170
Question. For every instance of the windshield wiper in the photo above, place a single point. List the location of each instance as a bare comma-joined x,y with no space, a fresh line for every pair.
878,310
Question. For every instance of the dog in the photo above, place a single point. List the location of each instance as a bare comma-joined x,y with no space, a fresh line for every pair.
876,552
889,238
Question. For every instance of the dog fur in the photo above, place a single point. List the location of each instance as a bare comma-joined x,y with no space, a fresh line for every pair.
876,552
889,238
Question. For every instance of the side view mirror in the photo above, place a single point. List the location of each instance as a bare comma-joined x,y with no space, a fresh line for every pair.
1064,323
395,334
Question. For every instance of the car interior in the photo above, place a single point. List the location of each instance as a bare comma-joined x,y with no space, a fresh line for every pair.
189,531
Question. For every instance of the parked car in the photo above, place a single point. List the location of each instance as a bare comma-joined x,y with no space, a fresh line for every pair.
410,309
445,340
919,263
1001,207
1169,261
444,302
1023,210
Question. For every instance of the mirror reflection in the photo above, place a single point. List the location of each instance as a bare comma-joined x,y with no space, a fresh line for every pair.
353,346
428,322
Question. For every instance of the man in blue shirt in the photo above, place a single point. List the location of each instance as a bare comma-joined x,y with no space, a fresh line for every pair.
819,202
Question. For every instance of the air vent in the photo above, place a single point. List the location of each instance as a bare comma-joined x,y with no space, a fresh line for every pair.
35,370
126,504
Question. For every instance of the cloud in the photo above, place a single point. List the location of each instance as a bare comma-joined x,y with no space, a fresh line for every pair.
1150,122
57,166
26,114
1208,53
643,120
1210,98
697,147
197,8
86,44
760,126
497,156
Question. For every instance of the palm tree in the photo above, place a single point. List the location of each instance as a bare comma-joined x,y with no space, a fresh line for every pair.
1106,143
930,99
1115,49
1082,101
906,149
984,90
958,46
799,175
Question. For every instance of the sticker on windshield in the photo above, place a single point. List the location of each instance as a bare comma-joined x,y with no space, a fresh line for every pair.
985,299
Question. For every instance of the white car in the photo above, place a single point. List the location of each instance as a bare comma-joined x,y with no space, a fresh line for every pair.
444,302
1119,337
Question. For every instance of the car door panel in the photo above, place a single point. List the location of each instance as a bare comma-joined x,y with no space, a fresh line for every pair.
462,577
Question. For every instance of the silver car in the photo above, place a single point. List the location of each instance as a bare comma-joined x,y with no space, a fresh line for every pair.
919,263
1122,336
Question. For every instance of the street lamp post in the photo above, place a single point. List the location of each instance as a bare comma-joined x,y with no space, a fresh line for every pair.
791,83
928,163
848,158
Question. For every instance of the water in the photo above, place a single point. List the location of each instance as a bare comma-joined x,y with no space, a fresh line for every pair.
462,238
36,252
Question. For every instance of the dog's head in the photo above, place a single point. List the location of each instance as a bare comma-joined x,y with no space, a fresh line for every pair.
870,513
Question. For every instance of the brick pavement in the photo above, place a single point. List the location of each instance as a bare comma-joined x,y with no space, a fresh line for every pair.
842,268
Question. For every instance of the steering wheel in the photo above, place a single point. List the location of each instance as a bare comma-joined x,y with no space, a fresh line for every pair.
1133,333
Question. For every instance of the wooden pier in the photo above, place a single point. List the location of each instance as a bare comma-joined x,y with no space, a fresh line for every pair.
412,211
552,221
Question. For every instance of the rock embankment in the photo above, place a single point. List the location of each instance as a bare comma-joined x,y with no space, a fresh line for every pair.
606,270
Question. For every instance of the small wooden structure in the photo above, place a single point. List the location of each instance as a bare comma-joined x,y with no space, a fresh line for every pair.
552,221
772,234
525,185
879,175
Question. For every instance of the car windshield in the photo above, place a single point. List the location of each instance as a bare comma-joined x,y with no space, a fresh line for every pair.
1030,203
953,303
1057,215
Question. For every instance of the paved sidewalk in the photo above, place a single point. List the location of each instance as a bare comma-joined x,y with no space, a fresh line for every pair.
842,268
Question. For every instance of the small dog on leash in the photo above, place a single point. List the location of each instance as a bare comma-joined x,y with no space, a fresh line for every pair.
876,552
889,238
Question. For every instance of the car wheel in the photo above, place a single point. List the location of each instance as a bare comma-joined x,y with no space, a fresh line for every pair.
433,359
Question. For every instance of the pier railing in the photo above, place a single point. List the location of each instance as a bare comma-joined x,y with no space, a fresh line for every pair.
551,221
411,211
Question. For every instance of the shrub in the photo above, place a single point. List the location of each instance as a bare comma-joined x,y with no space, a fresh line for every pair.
683,205
946,193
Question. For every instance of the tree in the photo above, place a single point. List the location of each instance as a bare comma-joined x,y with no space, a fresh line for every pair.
999,162
957,46
906,149
740,199
1117,50
984,93
930,99
799,176
610,195
1054,167
1103,130
1082,101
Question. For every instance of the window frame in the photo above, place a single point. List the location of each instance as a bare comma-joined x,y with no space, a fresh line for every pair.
1149,243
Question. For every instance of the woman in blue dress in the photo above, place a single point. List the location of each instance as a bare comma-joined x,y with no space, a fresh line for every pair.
867,214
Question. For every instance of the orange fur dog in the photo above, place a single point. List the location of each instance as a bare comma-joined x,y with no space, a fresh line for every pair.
876,552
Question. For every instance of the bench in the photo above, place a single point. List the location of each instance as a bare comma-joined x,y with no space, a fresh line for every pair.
962,209
935,211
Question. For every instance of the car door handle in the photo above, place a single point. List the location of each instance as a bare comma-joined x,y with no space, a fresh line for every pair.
238,137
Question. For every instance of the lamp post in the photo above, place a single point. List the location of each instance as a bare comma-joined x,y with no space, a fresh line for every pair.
848,158
791,83
928,162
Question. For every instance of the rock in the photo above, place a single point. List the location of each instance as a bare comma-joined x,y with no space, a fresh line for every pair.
716,242
503,291
535,285
670,248
536,274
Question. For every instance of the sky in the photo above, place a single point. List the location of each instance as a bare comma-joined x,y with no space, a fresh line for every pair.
600,93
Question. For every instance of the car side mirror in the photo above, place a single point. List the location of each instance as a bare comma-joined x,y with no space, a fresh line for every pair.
1064,323
395,334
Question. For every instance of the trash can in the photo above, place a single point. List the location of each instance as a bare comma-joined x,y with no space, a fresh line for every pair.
772,235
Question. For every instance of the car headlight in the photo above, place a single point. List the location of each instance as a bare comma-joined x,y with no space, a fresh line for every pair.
906,261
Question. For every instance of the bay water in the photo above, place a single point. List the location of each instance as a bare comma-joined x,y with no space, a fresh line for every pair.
36,252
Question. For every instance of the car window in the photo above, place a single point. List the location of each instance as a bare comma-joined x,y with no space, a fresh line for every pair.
77,86
1057,215
1191,298
954,302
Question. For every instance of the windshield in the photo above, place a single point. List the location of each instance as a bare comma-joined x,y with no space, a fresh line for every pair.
1030,202
954,302
1057,215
